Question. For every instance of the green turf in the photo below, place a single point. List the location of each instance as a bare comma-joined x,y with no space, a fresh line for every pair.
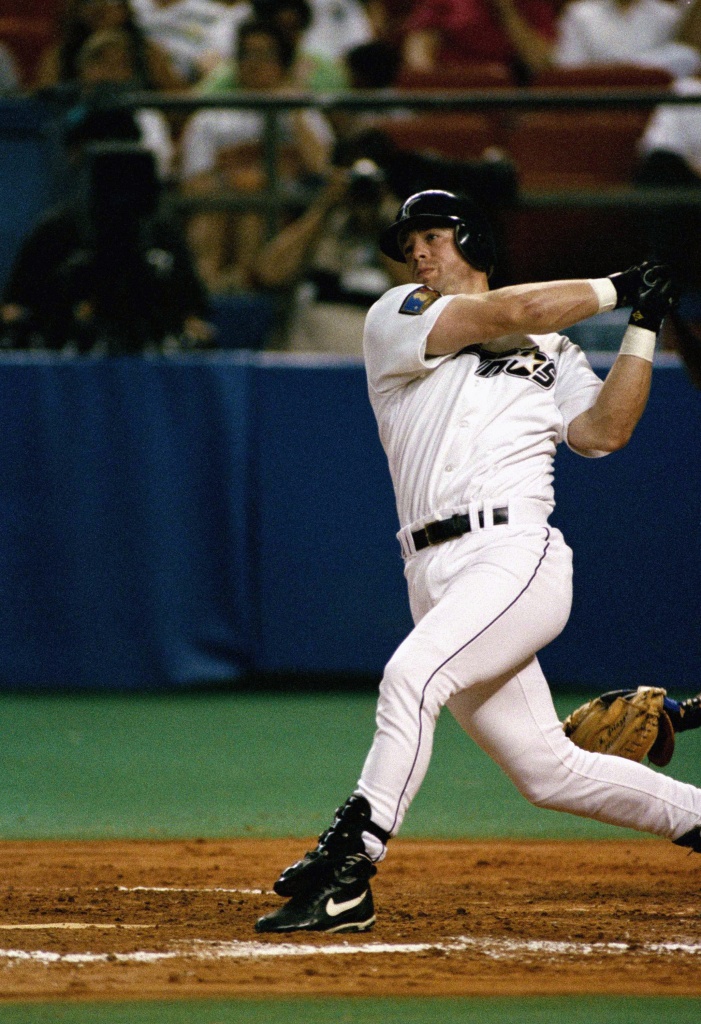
236,764
550,1010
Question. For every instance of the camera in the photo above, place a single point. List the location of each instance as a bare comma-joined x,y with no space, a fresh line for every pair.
366,182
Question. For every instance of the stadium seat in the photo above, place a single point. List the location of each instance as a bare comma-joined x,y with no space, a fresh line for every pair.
457,136
605,76
556,149
568,150
575,148
457,77
584,147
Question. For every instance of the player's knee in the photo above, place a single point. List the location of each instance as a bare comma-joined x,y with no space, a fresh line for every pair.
398,684
403,687
544,780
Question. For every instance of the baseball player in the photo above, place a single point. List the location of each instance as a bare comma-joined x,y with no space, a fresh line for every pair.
472,390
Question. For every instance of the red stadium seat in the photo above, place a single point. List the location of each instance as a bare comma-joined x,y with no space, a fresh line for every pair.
457,77
607,76
555,149
580,147
457,136
559,149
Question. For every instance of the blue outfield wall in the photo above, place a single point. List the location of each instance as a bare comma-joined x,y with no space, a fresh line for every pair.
124,550
176,521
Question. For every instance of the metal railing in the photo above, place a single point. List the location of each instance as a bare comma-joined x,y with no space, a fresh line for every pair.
273,199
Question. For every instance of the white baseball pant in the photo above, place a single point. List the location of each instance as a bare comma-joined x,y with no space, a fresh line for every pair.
483,605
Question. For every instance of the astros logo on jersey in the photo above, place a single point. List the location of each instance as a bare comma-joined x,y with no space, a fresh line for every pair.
529,363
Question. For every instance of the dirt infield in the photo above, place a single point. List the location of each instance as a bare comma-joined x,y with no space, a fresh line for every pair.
174,919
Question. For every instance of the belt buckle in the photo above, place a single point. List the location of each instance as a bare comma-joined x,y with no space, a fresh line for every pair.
429,535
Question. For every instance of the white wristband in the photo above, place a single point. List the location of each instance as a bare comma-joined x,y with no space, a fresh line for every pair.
605,292
638,341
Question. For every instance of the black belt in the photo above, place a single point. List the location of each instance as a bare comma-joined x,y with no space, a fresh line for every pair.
447,529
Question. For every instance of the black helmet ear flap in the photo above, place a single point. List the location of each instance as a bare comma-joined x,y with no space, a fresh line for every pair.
476,245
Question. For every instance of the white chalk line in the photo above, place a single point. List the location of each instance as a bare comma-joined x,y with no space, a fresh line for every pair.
67,926
176,888
493,949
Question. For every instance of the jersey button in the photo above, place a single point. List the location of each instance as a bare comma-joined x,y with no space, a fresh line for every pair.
449,468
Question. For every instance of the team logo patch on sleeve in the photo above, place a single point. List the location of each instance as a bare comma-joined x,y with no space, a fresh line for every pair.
418,301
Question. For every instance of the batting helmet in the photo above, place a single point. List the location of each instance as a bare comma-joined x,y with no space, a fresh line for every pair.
473,236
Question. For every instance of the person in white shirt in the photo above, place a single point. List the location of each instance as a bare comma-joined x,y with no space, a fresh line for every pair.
337,27
640,32
472,390
223,149
677,128
197,34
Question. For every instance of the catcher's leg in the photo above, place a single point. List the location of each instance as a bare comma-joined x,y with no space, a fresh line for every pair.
515,722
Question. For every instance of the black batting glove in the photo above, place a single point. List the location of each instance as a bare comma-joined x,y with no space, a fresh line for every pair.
629,282
658,294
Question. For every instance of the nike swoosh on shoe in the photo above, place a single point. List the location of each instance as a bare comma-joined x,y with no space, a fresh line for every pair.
333,909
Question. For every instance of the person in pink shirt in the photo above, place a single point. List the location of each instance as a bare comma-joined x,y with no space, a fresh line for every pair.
518,33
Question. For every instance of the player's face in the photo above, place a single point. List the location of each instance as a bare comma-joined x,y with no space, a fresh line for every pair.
433,259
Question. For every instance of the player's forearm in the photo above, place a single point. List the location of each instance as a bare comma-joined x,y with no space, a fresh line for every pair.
609,424
524,308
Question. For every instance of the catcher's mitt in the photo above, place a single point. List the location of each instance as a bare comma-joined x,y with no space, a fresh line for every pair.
629,723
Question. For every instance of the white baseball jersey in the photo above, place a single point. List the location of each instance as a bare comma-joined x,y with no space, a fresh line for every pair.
480,425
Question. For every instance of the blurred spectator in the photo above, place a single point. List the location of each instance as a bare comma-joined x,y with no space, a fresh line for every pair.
517,33
339,25
310,71
107,272
81,19
670,157
106,66
641,32
677,129
197,34
327,266
9,79
373,66
222,150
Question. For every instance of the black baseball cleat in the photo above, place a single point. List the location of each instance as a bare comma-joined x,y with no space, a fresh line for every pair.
329,887
692,839
344,837
341,902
